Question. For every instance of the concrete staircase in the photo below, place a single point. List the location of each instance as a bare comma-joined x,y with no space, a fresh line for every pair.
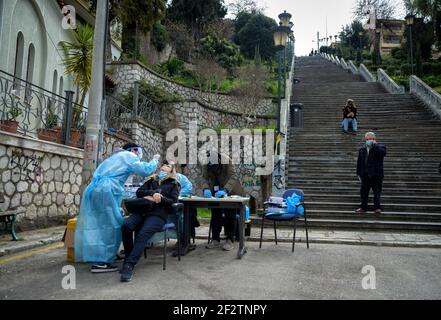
322,160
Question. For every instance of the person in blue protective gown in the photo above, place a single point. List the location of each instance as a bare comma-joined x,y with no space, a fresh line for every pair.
98,230
186,185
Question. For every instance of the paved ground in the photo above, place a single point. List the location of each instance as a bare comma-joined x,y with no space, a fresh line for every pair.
37,238
323,272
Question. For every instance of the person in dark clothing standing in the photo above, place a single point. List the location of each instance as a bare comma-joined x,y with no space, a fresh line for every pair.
222,180
160,192
370,171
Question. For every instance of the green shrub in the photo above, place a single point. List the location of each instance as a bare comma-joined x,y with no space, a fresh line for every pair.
272,87
229,84
432,81
159,36
172,67
155,93
401,80
399,54
432,68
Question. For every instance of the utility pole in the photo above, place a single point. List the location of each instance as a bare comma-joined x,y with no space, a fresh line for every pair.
93,127
318,42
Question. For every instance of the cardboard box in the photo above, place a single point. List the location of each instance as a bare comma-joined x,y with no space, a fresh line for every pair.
69,239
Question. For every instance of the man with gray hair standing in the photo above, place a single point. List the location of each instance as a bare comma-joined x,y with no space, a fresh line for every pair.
370,171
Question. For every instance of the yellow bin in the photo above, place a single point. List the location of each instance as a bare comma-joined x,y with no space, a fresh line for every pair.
69,241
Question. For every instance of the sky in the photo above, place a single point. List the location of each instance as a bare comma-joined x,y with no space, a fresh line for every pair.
309,17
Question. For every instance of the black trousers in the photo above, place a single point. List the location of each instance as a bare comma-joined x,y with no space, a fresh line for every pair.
368,183
229,222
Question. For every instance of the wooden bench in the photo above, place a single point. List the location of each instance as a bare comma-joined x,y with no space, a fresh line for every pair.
9,219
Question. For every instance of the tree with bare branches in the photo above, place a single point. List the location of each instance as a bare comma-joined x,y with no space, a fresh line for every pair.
385,9
252,89
208,72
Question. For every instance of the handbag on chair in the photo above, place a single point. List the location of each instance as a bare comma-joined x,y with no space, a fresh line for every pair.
140,205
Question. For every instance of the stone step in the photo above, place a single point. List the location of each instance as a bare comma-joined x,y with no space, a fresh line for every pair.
351,174
392,165
393,207
324,157
354,183
384,216
359,224
350,153
386,198
355,191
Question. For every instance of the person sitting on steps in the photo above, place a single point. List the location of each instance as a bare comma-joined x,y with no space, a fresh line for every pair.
350,116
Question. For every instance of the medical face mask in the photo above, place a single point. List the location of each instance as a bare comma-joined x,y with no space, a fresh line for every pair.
162,175
370,143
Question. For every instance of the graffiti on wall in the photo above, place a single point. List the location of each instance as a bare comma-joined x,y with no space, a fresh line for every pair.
27,167
279,176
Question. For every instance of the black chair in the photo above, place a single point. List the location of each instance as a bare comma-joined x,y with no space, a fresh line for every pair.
171,230
282,215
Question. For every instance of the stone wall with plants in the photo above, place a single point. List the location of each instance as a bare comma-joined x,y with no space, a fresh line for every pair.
180,115
126,74
41,179
152,140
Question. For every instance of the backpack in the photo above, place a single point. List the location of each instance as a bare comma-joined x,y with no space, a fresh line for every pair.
294,205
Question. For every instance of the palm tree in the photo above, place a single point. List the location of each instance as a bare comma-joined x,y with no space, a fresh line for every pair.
78,63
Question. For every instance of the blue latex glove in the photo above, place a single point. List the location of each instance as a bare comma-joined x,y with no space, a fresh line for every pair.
208,194
300,211
220,194
247,214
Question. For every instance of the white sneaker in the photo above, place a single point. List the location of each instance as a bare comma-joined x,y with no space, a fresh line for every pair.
228,246
214,244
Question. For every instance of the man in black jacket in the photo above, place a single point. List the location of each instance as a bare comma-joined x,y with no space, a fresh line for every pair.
370,171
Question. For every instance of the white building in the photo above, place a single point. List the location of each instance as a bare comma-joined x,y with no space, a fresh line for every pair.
30,35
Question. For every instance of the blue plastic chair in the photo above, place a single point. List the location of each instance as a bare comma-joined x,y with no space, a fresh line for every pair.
169,231
276,214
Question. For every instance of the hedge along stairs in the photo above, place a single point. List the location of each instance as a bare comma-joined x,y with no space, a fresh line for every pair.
322,160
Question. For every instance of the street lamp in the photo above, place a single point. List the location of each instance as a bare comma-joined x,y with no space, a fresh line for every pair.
284,19
280,40
410,19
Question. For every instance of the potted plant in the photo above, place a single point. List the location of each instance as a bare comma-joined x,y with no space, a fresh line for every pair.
124,133
11,124
50,132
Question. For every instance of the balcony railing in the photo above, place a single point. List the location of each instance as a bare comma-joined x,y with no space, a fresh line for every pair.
32,111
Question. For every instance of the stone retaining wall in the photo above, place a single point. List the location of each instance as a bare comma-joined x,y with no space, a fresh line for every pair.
126,74
42,179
